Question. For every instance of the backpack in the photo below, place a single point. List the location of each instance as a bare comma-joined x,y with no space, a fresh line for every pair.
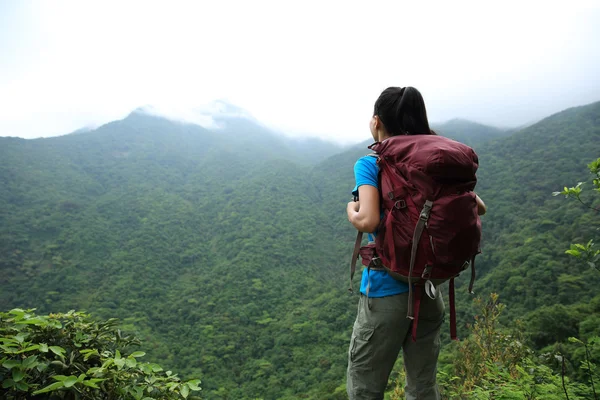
430,229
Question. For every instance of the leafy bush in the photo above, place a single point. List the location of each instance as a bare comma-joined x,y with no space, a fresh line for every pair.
72,356
495,363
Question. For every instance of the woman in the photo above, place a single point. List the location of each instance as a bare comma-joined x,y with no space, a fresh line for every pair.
382,329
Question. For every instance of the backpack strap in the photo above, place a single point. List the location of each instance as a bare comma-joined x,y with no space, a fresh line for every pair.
452,310
415,322
423,217
357,243
451,296
472,275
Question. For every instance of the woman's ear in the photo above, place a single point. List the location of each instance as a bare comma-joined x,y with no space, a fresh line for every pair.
376,122
378,128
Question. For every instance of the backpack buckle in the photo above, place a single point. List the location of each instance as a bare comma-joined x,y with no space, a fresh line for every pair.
376,263
426,210
400,204
430,290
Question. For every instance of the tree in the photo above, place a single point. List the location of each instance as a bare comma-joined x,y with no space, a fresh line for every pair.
584,251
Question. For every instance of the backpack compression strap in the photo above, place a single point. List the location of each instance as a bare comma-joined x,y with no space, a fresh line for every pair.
423,217
359,236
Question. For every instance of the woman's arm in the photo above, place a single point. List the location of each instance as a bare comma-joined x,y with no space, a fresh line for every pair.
481,208
364,214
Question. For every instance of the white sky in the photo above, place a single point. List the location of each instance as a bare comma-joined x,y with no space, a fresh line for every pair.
303,67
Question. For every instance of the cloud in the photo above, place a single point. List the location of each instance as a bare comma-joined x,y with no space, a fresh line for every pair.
307,69
210,116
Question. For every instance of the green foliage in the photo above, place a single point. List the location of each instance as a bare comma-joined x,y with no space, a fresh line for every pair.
73,356
488,346
494,362
585,252
226,251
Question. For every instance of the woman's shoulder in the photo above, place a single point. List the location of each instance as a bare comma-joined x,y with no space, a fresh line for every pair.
366,170
368,160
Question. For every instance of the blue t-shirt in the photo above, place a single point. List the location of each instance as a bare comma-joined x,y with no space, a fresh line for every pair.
382,284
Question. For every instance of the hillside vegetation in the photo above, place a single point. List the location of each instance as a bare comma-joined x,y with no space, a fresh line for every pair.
226,251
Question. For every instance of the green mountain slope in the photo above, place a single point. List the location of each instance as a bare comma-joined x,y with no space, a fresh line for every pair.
206,241
527,229
228,249
468,132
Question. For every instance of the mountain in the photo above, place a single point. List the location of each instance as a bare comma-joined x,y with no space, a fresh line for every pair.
226,247
468,132
206,241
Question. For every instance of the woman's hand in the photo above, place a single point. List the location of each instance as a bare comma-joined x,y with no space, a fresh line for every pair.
481,208
352,208
364,214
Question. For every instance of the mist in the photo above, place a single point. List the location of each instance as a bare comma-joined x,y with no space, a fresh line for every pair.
308,70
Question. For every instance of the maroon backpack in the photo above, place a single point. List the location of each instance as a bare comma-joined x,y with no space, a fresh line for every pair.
430,229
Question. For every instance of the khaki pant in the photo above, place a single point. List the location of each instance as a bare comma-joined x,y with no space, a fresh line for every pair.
378,335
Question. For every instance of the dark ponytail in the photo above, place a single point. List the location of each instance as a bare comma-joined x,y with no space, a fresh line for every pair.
402,111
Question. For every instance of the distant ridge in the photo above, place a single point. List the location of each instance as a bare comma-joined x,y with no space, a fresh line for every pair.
469,132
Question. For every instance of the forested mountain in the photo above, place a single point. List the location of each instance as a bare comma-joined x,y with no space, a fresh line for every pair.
468,132
227,249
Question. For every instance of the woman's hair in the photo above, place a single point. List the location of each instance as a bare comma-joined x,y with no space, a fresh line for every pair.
402,111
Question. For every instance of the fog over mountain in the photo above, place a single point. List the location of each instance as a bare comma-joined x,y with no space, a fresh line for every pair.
313,69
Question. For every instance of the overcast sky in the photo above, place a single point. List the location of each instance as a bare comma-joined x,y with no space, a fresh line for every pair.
303,67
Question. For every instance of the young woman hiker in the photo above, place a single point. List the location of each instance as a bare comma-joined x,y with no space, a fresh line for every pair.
382,328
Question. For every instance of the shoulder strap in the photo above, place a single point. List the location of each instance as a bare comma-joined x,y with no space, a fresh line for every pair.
357,243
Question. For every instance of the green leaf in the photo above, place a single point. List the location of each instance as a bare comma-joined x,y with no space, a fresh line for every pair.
119,362
30,362
194,384
573,252
20,337
60,378
59,351
8,350
43,347
137,392
70,381
22,386
17,375
41,367
9,364
50,388
8,383
575,340
156,368
138,354
92,382
32,321
185,391
89,353
130,362
30,348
